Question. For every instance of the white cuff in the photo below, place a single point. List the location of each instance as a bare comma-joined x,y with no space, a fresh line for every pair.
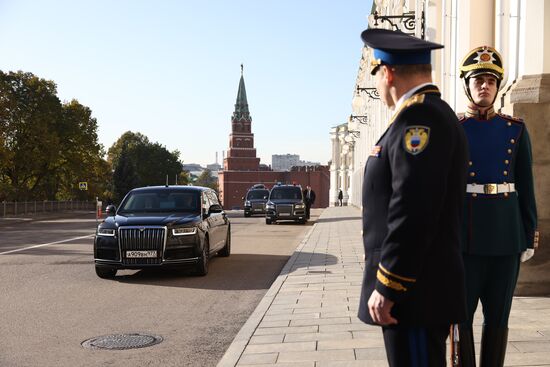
527,254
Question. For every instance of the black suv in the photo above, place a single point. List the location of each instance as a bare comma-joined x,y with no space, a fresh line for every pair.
162,226
286,202
255,199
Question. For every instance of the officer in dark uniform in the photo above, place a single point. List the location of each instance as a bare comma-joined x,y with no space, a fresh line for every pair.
309,199
499,227
413,195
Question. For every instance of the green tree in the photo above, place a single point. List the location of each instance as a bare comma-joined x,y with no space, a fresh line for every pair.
29,124
46,147
205,179
81,154
125,176
153,161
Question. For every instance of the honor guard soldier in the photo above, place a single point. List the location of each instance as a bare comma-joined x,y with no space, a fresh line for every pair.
499,226
412,196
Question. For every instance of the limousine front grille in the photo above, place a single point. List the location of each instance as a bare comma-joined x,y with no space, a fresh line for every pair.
141,240
284,209
258,206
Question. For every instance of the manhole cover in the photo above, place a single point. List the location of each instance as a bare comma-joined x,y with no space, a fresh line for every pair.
122,341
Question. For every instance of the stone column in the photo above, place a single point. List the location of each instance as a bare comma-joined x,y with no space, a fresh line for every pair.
334,167
529,99
343,164
351,153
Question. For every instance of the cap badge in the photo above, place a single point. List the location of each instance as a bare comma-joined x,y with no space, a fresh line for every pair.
485,56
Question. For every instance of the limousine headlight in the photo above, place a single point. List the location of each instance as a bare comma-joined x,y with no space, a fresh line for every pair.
110,232
270,205
299,206
186,231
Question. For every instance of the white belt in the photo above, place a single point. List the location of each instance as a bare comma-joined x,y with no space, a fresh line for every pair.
490,189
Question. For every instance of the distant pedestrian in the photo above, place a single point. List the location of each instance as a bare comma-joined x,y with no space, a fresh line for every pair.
340,197
413,194
309,199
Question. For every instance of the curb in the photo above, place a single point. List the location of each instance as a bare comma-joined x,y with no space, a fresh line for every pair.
238,345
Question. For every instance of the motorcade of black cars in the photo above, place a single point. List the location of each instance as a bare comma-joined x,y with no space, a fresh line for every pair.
255,199
162,226
285,202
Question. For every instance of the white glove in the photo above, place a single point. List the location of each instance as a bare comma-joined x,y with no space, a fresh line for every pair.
527,254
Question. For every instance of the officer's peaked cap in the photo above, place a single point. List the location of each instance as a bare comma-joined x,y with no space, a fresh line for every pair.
397,48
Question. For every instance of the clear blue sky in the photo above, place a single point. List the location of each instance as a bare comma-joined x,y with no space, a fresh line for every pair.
170,69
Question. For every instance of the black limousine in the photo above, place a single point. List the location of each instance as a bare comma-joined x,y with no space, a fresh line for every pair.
162,226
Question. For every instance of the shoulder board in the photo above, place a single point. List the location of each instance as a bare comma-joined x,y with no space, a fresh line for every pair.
414,99
511,118
417,98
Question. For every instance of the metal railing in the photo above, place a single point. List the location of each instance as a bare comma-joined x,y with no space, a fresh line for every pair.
14,208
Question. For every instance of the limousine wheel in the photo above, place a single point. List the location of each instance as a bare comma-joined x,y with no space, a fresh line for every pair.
202,266
267,221
226,250
105,272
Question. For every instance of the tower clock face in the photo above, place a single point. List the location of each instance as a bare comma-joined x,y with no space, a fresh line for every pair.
239,126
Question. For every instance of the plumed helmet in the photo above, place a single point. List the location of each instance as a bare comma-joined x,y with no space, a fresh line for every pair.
481,60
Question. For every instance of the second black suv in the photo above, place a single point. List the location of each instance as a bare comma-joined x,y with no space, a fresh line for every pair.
286,202
255,199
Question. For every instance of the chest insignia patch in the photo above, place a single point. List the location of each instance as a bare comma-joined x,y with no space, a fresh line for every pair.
375,152
416,139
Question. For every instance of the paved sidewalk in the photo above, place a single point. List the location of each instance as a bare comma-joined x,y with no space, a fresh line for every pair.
308,316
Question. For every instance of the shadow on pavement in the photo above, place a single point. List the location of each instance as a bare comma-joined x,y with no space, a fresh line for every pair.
338,219
238,272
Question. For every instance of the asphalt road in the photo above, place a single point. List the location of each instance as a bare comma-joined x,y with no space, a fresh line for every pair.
51,300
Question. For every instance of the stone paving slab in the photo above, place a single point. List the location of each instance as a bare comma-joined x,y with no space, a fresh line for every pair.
308,316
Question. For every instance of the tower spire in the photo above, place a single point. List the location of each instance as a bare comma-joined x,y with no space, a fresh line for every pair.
241,106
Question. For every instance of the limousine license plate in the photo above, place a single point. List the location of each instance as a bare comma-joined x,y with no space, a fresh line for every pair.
284,214
141,254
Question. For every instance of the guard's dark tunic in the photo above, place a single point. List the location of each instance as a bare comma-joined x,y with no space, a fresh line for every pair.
497,224
413,194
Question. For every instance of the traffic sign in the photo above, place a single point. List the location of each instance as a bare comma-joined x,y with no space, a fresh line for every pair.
83,186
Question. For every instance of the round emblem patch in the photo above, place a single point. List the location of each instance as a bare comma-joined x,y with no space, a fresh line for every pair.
485,57
416,139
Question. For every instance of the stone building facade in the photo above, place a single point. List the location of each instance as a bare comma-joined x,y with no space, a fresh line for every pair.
520,30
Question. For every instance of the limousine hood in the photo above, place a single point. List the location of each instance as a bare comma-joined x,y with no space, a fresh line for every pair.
155,219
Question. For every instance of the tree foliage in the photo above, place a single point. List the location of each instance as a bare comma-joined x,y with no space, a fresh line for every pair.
46,147
125,176
205,179
152,162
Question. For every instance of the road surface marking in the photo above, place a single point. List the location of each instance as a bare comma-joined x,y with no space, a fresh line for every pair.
45,244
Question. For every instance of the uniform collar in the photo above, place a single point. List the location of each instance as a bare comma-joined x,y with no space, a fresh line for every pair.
409,94
475,113
415,95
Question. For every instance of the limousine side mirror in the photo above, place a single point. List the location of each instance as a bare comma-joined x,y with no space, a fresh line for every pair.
215,208
265,197
110,210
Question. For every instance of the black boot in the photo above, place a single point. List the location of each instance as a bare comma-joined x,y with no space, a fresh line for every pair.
467,354
493,346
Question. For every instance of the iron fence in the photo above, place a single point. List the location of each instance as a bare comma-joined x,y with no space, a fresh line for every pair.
13,208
